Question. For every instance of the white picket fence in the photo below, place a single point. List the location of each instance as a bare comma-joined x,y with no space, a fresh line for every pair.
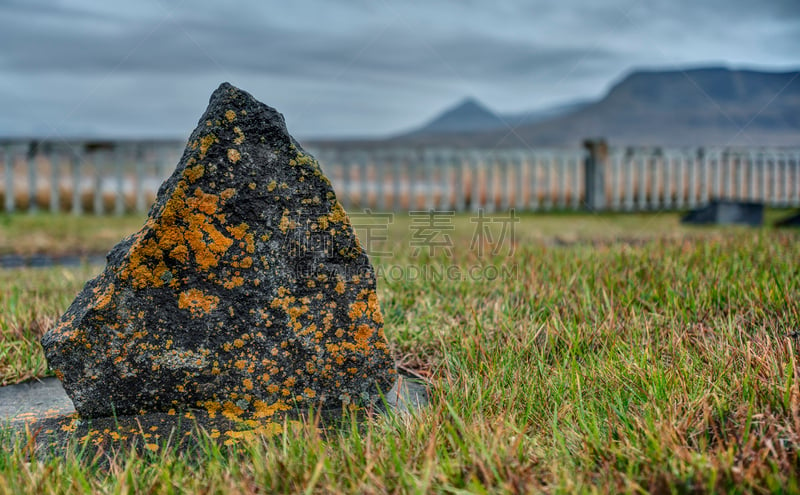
124,176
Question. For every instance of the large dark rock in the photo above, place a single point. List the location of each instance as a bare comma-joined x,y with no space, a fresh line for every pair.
727,212
245,294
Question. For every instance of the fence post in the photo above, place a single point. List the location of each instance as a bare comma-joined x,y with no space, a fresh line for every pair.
33,173
120,156
446,180
460,164
796,180
680,180
75,160
615,163
379,161
99,167
365,163
630,172
667,175
547,199
534,185
8,162
562,169
691,170
594,173
399,162
521,175
504,165
55,178
140,155
784,163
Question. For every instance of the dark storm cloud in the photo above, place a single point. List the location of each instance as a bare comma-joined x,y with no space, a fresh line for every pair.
197,46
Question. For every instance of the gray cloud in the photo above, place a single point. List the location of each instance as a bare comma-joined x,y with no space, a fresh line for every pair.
196,47
362,66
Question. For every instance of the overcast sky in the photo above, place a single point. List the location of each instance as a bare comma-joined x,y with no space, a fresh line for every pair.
354,67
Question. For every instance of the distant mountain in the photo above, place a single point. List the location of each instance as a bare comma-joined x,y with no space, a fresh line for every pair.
707,106
470,116
534,116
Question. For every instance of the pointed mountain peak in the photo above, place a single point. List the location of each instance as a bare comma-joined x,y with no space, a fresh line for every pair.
470,102
468,115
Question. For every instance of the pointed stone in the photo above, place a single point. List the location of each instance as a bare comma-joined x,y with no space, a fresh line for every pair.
245,294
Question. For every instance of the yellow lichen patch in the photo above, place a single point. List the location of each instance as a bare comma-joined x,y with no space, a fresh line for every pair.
271,186
232,411
186,221
194,173
302,159
238,231
152,447
102,300
357,309
373,308
212,407
233,155
227,194
269,429
180,253
248,384
239,135
197,302
285,223
339,287
250,243
233,283
202,202
337,214
205,143
72,426
362,335
230,115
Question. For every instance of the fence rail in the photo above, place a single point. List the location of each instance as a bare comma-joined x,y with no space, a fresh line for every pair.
124,176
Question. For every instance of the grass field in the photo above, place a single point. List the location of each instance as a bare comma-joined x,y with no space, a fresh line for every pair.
654,358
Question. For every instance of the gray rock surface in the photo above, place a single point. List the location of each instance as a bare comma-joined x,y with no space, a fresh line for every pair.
33,400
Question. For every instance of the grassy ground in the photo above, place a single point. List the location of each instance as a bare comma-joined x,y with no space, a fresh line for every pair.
664,365
58,234
63,234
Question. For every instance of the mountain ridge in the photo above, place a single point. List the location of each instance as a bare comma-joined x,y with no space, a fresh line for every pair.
700,106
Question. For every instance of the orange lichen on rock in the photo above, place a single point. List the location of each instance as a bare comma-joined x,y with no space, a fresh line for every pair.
205,143
337,214
239,135
104,298
197,302
194,173
187,232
